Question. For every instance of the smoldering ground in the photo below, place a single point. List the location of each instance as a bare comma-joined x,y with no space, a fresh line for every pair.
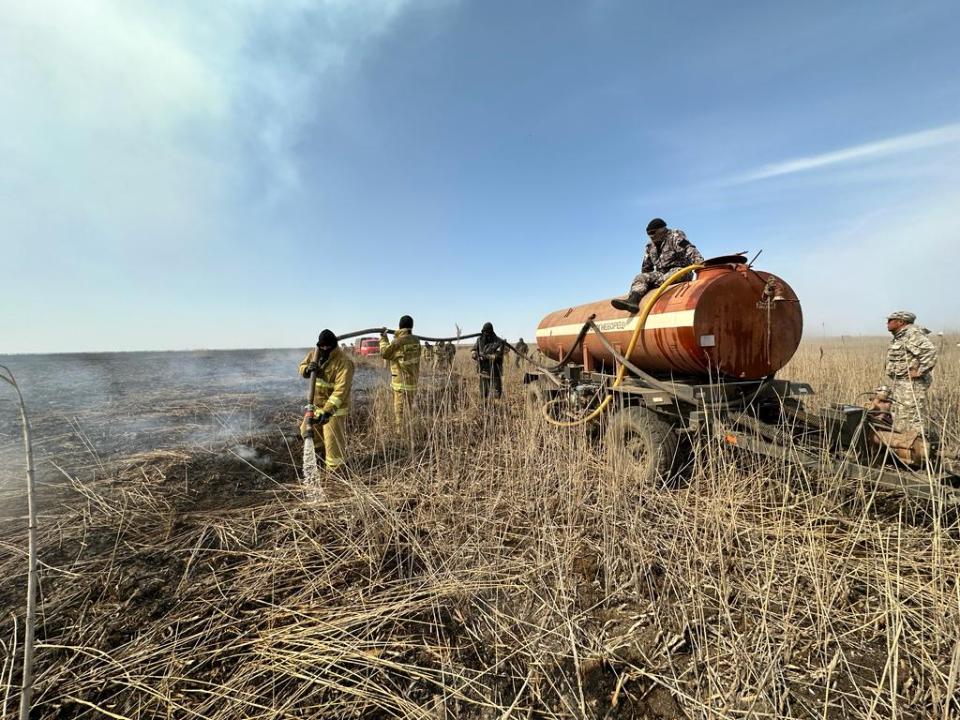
89,410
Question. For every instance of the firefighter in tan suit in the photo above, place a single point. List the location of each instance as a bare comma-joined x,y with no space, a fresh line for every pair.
403,356
334,378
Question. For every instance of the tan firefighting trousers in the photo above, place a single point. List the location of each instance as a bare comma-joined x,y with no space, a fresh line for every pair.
332,437
403,409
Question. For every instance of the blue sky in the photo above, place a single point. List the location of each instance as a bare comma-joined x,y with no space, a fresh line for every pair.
242,174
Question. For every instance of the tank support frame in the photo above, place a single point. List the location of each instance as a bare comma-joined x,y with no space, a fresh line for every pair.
767,419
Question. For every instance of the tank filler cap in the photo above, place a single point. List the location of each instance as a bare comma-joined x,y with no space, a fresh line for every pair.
738,259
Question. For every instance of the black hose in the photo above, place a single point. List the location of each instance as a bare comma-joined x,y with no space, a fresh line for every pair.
588,325
646,378
444,339
576,343
550,372
565,359
378,330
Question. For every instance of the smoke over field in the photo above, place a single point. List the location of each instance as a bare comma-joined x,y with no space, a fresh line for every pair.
492,568
88,410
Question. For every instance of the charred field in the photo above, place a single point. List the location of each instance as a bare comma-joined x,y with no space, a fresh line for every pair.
494,568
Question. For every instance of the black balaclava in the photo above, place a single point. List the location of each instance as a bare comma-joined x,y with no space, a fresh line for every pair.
326,344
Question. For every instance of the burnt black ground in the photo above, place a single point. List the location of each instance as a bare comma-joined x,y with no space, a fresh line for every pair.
90,409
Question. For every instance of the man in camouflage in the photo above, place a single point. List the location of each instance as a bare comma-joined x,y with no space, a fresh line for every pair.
911,358
403,357
521,348
668,251
449,351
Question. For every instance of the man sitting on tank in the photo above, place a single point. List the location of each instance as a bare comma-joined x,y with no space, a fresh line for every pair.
668,251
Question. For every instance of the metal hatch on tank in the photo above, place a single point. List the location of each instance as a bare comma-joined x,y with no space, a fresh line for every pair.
730,321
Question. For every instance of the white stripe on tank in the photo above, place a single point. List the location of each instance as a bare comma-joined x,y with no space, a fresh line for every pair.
658,321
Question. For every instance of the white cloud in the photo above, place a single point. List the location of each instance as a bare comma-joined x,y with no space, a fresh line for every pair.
121,118
944,135
143,146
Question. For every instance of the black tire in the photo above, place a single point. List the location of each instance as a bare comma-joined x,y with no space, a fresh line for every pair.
644,448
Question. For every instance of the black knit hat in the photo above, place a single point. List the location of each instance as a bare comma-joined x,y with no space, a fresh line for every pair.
656,224
487,328
327,340
406,323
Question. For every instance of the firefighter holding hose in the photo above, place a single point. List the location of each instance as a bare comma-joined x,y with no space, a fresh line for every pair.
332,371
403,356
668,251
488,354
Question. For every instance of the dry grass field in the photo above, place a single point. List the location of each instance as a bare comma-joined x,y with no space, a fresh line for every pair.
496,569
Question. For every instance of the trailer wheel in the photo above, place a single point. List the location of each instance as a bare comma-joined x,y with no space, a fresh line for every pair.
535,397
643,447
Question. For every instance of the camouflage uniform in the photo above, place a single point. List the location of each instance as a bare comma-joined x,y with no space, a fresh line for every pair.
450,355
910,349
521,348
661,260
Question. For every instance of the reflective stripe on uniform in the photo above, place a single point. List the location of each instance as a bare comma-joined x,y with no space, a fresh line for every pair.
334,400
332,462
402,386
323,383
340,412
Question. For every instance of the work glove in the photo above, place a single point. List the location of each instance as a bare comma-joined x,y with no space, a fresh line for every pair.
311,368
324,418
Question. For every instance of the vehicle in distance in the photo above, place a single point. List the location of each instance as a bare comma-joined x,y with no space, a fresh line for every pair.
368,346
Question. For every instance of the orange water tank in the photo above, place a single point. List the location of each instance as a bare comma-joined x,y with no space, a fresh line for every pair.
730,321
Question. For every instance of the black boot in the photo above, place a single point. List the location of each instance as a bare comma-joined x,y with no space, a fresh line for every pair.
631,303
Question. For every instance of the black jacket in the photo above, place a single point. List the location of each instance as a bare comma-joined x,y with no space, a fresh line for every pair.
488,349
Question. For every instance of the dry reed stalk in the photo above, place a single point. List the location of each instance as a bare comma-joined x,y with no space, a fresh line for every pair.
26,686
498,570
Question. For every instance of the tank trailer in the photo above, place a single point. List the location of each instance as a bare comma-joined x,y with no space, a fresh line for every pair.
703,365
